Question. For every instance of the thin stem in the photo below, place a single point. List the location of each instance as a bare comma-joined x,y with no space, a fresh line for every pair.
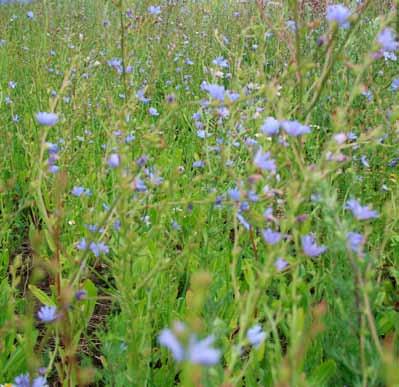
123,53
298,54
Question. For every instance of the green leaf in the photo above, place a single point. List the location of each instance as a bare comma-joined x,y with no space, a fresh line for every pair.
322,374
90,303
41,296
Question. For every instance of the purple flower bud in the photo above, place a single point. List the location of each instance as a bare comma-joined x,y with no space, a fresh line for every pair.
81,294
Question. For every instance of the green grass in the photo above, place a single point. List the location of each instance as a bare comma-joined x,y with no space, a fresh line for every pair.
330,320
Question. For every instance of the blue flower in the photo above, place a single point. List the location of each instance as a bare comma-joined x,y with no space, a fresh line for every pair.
53,169
355,242
195,351
141,97
82,244
359,212
280,264
201,352
270,127
339,14
168,339
215,91
113,160
221,62
139,185
47,119
153,112
39,381
310,247
387,41
256,336
263,161
116,64
47,313
80,191
244,206
271,237
294,128
395,84
154,10
99,248
234,194
24,380
291,25
243,221
198,164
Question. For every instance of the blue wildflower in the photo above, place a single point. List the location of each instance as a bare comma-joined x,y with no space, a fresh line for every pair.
154,10
82,244
243,222
395,84
139,185
270,126
271,237
360,212
244,206
294,128
215,91
113,160
355,242
339,14
153,112
141,97
291,25
387,40
47,119
280,264
263,161
256,336
198,164
47,313
98,248
80,191
221,62
310,247
39,381
196,351
24,380
234,194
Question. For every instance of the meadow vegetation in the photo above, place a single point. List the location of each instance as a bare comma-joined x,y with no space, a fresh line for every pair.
199,193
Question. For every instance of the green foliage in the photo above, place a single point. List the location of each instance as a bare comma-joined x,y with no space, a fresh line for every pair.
177,250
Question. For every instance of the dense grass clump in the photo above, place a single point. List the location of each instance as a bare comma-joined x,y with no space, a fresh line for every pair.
199,193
